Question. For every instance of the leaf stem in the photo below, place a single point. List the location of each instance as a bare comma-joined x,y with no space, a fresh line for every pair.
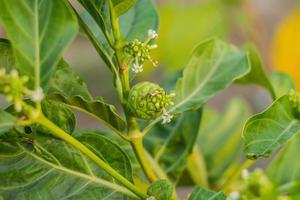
71,140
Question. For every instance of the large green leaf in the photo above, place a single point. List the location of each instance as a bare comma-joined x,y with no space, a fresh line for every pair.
213,67
284,170
39,31
67,87
267,131
222,130
257,74
203,194
50,169
282,83
7,121
171,144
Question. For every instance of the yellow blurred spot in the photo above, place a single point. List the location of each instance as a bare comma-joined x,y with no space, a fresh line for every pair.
286,47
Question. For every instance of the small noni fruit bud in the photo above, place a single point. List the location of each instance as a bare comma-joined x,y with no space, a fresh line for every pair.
148,100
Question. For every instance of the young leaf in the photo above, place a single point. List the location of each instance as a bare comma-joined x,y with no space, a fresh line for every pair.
267,131
7,121
170,145
222,130
161,190
257,74
51,169
282,83
122,6
213,67
67,87
39,31
203,194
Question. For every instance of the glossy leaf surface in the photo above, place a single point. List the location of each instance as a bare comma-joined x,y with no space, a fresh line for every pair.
213,67
50,169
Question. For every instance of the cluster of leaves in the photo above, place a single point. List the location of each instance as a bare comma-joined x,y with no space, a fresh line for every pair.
39,161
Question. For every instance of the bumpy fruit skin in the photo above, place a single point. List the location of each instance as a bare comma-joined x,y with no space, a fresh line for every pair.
147,100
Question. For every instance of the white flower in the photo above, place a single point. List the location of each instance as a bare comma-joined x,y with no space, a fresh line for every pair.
152,34
245,174
137,68
166,117
234,195
37,95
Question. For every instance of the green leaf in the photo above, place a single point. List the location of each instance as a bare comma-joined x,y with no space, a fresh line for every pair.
267,131
95,8
67,87
283,170
282,83
39,31
204,194
171,144
65,81
7,121
213,67
161,190
51,169
96,36
98,109
257,75
222,130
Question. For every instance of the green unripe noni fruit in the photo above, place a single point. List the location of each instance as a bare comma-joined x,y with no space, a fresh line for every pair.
148,100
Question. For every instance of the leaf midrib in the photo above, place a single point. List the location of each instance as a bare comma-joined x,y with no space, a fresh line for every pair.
203,83
292,123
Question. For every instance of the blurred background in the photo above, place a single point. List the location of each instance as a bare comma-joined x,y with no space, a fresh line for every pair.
272,25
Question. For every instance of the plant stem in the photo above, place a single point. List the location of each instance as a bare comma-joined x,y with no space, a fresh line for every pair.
247,164
136,138
78,145
138,148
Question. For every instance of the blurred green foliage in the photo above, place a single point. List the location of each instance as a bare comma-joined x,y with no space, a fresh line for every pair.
178,34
